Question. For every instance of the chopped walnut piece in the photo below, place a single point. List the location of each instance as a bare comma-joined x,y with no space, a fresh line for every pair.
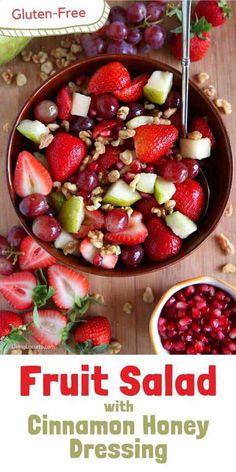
161,121
26,55
148,296
169,206
122,113
114,347
40,57
128,308
21,79
210,91
7,76
230,210
127,133
96,238
195,135
134,182
156,211
75,48
111,250
45,140
53,126
149,106
43,76
223,105
57,185
169,112
72,188
66,42
126,157
225,245
47,67
202,77
228,269
66,125
113,176
86,137
16,352
6,127
97,191
71,247
107,207
59,53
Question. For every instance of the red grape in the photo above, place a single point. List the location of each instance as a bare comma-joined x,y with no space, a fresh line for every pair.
118,14
174,99
15,235
135,109
92,45
34,205
46,228
174,171
131,256
46,111
116,220
192,166
136,12
80,123
6,266
4,246
134,36
155,36
107,106
121,47
87,180
155,11
144,48
117,31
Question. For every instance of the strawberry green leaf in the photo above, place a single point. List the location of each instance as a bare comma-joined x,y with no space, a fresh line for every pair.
174,10
85,348
227,11
14,337
81,306
36,316
100,349
41,294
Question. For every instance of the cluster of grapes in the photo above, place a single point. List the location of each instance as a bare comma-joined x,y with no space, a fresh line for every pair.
9,249
128,31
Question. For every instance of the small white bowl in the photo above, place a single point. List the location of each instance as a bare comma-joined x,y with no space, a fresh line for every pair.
153,325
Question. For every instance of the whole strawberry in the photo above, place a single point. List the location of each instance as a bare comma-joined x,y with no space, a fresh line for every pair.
153,141
215,12
65,155
93,335
199,43
11,327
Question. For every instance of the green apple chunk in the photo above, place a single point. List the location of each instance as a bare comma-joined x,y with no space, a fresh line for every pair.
33,130
72,215
146,183
139,121
11,47
180,224
63,239
163,190
195,148
80,104
158,87
120,194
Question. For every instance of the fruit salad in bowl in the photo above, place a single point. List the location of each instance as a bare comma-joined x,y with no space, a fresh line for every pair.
100,175
197,316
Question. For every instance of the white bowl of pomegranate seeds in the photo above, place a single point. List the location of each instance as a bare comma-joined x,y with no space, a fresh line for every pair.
196,316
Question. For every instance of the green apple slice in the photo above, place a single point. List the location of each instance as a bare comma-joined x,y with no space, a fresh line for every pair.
158,87
33,130
63,239
10,47
195,148
80,104
72,215
58,200
139,121
180,224
146,183
120,194
163,190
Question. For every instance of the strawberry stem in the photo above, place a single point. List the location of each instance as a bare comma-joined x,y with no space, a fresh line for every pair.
15,336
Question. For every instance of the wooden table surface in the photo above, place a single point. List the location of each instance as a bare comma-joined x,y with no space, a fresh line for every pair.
132,330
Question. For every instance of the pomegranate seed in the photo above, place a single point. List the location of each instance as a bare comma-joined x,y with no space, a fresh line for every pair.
181,296
171,302
136,166
226,350
220,296
119,165
198,347
220,335
168,345
201,305
179,346
216,312
202,338
181,305
97,260
212,291
93,166
204,288
190,350
196,313
196,327
232,333
189,291
149,170
184,322
128,177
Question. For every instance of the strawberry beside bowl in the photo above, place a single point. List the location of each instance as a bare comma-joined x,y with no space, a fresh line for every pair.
196,316
175,249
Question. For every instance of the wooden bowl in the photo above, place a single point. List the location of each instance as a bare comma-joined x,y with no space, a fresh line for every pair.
220,165
153,324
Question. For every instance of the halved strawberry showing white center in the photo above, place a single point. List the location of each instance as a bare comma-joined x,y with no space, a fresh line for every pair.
50,330
135,234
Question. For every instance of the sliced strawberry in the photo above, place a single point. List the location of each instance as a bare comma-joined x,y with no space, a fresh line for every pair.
109,78
201,125
92,254
104,128
31,176
134,92
17,289
9,320
69,286
153,141
33,257
109,158
145,205
50,330
65,154
135,234
94,220
97,330
161,243
189,197
64,103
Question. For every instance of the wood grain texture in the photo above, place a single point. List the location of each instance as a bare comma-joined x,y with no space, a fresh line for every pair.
132,330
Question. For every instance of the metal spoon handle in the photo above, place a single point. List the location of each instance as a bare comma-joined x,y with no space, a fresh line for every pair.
186,19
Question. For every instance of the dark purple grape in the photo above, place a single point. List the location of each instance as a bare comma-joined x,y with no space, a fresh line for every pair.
155,11
173,171
87,180
4,246
174,99
121,47
15,235
34,205
155,36
118,14
134,36
46,228
136,12
92,45
107,106
6,266
46,111
135,109
81,123
192,166
144,48
131,256
116,220
117,31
